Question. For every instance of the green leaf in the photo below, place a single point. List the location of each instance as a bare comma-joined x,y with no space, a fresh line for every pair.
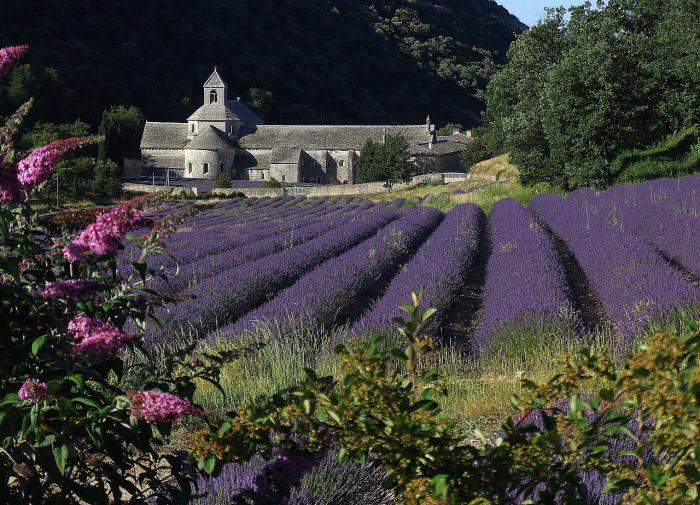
428,314
321,414
224,428
77,379
441,485
207,465
85,401
38,344
335,417
60,455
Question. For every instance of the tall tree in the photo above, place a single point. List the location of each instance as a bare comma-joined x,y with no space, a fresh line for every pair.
388,162
121,128
579,90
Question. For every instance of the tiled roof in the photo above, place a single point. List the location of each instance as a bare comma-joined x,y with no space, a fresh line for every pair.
438,148
211,139
164,136
324,137
285,155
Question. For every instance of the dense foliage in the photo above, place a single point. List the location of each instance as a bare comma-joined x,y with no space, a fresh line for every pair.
121,127
388,161
632,436
579,90
81,420
317,61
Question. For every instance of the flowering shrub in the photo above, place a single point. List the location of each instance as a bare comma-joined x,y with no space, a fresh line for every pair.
73,429
591,434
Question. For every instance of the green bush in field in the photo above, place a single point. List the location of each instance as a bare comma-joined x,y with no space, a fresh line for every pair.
223,181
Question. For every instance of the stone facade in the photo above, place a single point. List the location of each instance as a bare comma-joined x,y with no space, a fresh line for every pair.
225,136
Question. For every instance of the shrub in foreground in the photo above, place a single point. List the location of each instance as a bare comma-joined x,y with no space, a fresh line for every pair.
629,435
70,430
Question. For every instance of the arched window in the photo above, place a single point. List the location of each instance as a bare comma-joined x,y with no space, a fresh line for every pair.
205,168
213,96
189,168
262,175
283,178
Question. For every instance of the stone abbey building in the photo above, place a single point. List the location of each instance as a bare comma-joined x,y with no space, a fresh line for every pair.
226,136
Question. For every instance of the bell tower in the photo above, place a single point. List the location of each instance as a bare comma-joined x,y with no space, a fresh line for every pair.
215,90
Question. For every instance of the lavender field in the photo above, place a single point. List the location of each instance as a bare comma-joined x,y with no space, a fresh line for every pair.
612,261
513,289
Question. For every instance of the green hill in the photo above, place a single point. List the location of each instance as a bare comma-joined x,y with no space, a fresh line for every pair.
306,61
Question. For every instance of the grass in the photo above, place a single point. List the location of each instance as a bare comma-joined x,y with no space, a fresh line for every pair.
493,180
499,167
479,388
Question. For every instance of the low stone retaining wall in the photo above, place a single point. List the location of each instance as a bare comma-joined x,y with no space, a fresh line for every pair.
133,187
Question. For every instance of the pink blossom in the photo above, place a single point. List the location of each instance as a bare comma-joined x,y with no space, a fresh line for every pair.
102,237
10,191
95,339
32,391
39,165
71,289
9,56
157,407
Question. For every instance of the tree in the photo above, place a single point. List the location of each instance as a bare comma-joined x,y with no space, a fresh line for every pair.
577,92
122,128
223,181
260,101
387,162
106,181
449,129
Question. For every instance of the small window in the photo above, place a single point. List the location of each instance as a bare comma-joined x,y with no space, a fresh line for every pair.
262,175
189,168
213,96
221,166
283,178
318,180
341,163
192,128
205,168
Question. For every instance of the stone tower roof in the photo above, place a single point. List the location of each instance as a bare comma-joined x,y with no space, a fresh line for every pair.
211,139
233,110
215,80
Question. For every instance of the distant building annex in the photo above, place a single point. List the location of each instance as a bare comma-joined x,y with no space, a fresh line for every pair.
226,136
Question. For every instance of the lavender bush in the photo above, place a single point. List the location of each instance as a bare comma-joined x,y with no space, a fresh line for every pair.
331,292
633,282
526,285
439,269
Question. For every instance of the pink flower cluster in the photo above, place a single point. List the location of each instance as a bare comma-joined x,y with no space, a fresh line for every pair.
9,56
39,165
102,237
71,289
96,339
32,391
35,168
156,407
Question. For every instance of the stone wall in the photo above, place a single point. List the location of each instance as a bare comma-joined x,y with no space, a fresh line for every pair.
250,192
132,187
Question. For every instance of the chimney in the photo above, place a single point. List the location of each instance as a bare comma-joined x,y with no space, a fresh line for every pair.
384,136
468,133
455,131
427,123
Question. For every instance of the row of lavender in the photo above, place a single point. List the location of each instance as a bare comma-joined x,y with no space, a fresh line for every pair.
636,246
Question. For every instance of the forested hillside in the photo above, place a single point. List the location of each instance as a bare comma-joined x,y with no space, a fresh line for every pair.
583,88
307,61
